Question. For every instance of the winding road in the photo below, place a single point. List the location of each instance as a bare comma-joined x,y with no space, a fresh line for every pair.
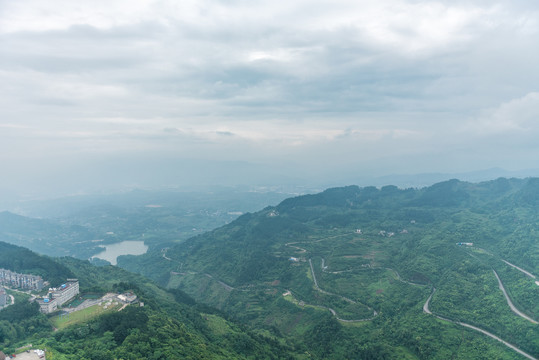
341,297
427,310
427,303
226,286
323,267
520,269
426,306
510,303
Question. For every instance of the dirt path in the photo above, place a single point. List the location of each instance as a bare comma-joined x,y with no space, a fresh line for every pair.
510,303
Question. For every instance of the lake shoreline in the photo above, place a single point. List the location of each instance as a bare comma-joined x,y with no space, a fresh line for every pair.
128,247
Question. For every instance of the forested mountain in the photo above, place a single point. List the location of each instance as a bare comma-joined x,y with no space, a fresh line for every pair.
170,325
347,272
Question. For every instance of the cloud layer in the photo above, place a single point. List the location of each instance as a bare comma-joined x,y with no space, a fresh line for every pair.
382,86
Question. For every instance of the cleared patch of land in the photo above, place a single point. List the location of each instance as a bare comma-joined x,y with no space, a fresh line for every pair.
63,321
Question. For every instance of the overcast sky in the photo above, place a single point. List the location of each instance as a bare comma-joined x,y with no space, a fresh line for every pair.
164,92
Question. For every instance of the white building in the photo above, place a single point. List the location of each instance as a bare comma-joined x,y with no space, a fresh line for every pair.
59,296
66,291
127,297
47,305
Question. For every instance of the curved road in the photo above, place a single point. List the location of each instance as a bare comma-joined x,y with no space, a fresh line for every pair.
226,286
520,269
427,310
427,303
509,345
340,296
510,303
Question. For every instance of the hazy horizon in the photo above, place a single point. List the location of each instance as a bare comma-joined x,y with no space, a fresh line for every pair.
108,95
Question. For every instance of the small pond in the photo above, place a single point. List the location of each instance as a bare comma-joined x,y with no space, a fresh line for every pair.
112,251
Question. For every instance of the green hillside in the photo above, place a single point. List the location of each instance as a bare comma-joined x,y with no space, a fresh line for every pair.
170,325
24,261
347,273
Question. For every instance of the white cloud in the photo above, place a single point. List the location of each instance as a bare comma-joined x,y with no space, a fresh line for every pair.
280,81
31,15
520,115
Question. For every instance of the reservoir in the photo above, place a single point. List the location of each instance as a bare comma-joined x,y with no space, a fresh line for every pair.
112,251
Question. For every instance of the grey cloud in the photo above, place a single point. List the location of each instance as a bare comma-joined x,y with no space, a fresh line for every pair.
278,88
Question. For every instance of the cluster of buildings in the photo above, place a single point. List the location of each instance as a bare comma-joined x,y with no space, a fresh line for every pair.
23,281
58,296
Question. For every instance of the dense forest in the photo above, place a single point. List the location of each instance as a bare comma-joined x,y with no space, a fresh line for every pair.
170,325
347,272
447,271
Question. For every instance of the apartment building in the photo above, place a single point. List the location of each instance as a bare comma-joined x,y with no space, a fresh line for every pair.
23,281
59,296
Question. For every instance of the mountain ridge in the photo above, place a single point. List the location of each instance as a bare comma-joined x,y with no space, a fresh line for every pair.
397,242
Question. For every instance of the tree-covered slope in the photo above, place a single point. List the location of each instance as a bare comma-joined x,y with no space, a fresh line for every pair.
356,266
170,325
22,260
